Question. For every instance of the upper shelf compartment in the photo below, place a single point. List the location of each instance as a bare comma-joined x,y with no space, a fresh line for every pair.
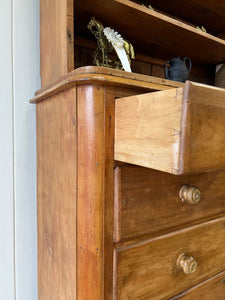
150,32
210,13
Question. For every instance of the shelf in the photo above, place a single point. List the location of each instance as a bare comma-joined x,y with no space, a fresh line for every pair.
210,13
179,131
150,32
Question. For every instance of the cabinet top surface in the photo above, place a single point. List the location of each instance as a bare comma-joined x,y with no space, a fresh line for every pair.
104,76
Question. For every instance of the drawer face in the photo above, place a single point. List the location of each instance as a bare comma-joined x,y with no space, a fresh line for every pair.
213,288
149,270
148,202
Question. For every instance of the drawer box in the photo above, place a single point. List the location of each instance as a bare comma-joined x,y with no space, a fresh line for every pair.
149,270
179,131
213,288
147,201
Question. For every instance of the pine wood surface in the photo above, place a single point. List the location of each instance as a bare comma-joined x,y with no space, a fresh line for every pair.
95,204
101,75
56,39
156,35
147,202
213,288
148,270
172,130
56,197
70,8
90,195
147,129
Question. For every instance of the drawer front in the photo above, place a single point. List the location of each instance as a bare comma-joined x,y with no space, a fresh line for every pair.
149,270
213,288
147,201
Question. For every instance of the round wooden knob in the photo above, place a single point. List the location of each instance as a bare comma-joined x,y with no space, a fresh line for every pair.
190,194
187,263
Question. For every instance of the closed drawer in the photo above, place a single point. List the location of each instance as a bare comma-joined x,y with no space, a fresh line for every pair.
211,289
149,270
179,131
148,202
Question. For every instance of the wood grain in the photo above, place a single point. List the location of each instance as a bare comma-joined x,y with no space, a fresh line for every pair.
70,43
109,96
95,192
90,195
107,76
55,46
147,202
203,140
156,35
213,288
56,197
173,130
147,129
70,8
199,12
147,270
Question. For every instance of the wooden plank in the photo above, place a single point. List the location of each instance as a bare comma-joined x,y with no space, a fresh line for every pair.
95,192
147,129
110,93
141,270
150,36
56,196
70,8
213,288
55,28
90,192
70,44
210,14
147,202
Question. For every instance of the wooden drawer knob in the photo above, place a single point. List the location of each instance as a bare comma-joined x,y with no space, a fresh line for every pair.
190,194
187,263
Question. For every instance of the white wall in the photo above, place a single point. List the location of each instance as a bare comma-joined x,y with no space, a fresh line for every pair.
19,79
6,156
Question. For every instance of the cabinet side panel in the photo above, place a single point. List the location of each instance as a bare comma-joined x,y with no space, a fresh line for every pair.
56,39
56,196
90,205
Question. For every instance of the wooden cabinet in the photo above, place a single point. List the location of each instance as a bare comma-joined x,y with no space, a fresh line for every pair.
130,167
106,229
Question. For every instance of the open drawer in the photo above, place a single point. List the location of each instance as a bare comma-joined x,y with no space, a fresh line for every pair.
179,131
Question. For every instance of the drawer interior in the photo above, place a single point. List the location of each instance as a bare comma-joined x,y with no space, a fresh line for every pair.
179,131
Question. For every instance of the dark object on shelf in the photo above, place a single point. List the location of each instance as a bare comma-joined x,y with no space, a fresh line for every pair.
178,70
